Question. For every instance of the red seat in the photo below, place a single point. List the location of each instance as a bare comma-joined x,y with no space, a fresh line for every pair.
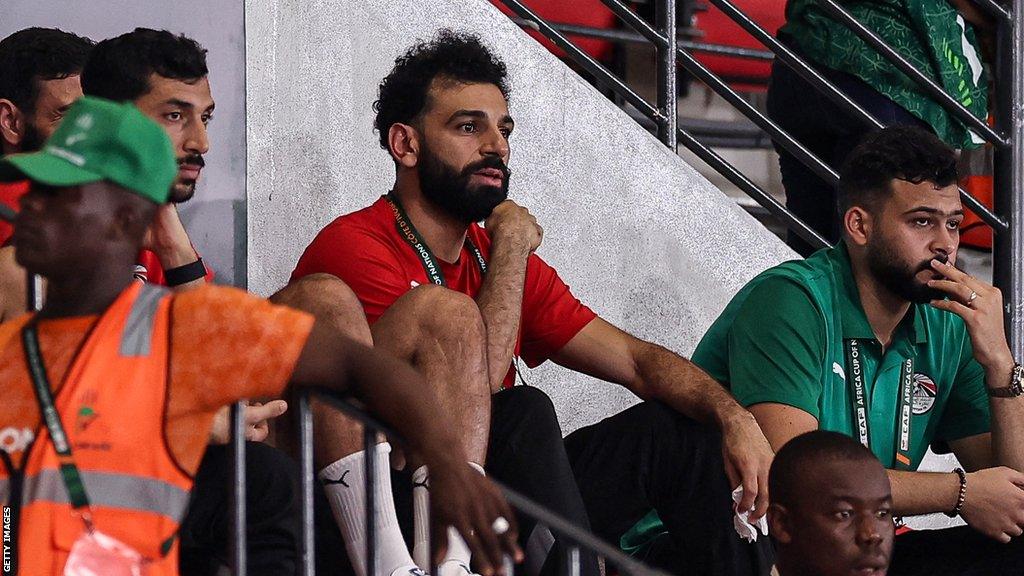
717,28
590,13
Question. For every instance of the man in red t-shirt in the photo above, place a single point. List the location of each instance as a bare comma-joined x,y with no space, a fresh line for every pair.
463,303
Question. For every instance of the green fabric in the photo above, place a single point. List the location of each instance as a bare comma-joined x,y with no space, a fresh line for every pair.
101,140
930,34
781,340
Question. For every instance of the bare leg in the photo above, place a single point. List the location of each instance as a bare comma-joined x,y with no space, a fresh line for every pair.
329,300
441,333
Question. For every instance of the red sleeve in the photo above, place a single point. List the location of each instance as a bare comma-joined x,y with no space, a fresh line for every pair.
551,314
9,196
363,260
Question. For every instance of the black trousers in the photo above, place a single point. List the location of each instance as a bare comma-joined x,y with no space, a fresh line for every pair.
525,453
273,513
827,131
957,551
650,456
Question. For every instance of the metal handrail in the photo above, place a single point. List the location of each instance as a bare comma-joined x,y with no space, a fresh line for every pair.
790,58
712,158
621,36
705,75
561,528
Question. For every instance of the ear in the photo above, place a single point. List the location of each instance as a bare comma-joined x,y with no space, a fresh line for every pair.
12,125
779,523
131,220
858,225
404,144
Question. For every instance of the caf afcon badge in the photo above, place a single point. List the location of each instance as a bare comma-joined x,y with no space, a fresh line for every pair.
924,393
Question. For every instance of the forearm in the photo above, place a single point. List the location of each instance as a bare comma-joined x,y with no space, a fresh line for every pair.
1007,420
501,303
665,376
923,492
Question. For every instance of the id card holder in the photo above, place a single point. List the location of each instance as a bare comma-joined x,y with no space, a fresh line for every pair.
97,554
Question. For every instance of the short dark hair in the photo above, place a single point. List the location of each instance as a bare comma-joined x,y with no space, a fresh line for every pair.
805,452
897,152
119,68
37,54
457,56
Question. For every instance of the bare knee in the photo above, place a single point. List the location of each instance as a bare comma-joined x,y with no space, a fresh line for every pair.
435,312
330,300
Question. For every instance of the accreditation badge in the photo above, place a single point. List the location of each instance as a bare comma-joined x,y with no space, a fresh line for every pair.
97,554
925,391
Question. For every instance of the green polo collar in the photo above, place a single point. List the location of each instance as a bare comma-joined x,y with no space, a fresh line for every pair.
855,322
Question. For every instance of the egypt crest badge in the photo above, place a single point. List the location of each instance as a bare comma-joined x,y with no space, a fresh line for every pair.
924,393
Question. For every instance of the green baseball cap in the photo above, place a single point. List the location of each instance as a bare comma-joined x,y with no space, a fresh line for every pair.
101,140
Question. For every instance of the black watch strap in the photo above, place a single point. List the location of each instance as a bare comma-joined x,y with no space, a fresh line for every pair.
185,274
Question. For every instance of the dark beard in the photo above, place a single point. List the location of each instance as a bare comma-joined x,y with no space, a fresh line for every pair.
451,191
33,140
898,277
183,190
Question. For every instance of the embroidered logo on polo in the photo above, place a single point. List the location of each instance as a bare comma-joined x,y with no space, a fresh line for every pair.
925,391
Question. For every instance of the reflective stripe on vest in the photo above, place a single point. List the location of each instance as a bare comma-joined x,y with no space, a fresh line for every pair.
137,338
106,489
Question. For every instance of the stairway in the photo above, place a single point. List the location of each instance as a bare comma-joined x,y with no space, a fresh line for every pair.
639,235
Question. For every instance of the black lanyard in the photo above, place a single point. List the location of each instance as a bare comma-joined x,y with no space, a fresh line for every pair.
59,439
408,232
859,404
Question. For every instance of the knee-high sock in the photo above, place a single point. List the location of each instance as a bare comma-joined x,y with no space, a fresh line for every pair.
458,553
344,483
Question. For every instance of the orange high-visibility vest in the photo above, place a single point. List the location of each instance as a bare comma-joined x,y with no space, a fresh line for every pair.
112,404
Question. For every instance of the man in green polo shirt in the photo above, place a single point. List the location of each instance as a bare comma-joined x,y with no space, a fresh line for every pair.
882,338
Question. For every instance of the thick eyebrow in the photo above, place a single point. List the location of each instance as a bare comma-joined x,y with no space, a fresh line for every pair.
506,119
64,108
186,105
936,211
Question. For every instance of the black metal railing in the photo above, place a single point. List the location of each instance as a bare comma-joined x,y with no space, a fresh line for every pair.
1006,219
574,538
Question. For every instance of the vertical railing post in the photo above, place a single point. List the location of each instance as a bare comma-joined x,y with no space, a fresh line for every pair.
668,88
34,292
370,447
238,524
305,433
1008,247
572,561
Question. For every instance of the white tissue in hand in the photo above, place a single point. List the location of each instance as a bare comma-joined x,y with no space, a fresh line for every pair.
740,521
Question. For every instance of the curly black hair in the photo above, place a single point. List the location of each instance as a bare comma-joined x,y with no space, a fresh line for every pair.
897,152
36,54
119,68
456,56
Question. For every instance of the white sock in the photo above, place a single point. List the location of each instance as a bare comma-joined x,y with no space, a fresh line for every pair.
456,559
344,483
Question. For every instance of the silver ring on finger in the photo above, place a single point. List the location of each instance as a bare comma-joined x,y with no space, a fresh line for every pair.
971,299
500,525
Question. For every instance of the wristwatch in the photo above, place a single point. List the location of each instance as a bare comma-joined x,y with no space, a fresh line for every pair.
1016,387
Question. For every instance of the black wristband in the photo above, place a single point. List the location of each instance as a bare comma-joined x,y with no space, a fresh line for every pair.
185,274
962,496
